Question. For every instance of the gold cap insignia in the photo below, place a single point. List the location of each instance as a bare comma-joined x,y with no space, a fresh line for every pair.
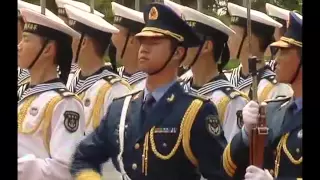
153,14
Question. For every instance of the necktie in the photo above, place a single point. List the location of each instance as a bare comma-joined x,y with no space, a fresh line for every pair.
148,103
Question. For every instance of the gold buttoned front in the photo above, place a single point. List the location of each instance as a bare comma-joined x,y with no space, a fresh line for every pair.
134,166
137,146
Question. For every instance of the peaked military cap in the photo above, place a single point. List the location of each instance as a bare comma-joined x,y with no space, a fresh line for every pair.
261,23
128,18
161,21
279,14
293,36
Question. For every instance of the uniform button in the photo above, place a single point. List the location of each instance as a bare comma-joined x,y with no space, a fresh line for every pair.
164,145
274,152
298,150
137,146
134,166
117,141
271,172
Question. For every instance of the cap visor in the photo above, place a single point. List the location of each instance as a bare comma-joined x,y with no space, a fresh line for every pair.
149,34
280,44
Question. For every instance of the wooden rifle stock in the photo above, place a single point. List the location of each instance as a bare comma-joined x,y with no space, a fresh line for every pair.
260,132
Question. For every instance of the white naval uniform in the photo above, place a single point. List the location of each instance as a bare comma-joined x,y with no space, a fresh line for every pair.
227,99
96,93
50,125
268,87
137,80
23,81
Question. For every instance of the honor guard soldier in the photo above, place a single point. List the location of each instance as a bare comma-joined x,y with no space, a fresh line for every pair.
23,74
283,150
129,22
50,118
206,62
160,132
93,82
63,15
263,28
281,16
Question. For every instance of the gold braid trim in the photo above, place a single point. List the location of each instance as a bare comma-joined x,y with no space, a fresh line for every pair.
228,164
22,115
222,107
165,32
187,125
283,145
88,175
98,105
47,117
299,178
265,92
291,41
185,128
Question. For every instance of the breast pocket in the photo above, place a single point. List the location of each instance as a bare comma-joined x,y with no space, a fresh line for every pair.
165,141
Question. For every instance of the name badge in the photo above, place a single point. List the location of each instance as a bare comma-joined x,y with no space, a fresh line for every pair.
165,130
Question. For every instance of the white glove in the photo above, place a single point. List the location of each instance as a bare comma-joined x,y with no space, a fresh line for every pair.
250,114
255,173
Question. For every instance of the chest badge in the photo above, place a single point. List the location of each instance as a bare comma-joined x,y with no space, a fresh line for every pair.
213,125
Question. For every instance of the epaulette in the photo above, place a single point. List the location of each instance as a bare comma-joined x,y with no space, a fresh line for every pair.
133,93
271,79
198,96
278,99
112,78
64,92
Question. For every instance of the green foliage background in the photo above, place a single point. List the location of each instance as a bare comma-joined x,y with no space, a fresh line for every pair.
209,6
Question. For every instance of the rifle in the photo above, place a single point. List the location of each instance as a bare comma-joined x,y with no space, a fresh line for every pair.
260,131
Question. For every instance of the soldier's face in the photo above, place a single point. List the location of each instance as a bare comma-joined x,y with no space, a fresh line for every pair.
20,30
28,48
191,54
288,61
235,40
75,46
119,39
153,53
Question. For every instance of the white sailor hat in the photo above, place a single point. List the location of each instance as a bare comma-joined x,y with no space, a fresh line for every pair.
205,24
131,19
46,25
82,6
261,23
60,5
88,23
177,8
279,14
23,4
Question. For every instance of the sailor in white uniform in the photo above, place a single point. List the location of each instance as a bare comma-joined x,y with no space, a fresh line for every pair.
129,22
263,28
50,118
63,15
207,62
282,16
23,74
93,82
